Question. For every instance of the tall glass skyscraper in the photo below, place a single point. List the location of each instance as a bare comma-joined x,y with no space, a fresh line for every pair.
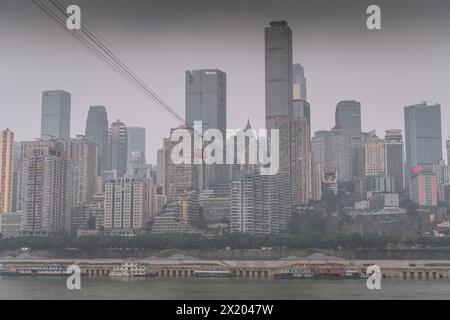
278,61
136,147
299,82
206,98
423,135
348,117
394,157
118,148
206,101
97,131
55,117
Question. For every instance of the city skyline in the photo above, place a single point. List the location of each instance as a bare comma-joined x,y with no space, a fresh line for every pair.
359,77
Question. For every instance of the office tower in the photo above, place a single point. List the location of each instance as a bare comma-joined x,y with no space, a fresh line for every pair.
423,138
206,101
302,109
442,172
261,204
160,167
44,186
448,152
423,189
318,146
278,71
136,148
126,204
55,117
299,82
348,116
338,154
374,156
6,170
167,165
206,98
97,130
318,177
16,177
358,155
394,159
295,155
83,177
118,148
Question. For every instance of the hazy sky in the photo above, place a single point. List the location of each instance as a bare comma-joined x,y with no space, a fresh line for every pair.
408,61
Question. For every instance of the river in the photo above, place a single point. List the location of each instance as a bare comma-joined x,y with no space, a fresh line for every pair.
14,288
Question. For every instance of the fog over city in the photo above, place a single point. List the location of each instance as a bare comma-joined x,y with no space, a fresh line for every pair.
404,63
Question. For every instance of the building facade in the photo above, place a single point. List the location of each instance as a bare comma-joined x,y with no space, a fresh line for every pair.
55,117
278,71
6,170
394,157
118,148
97,130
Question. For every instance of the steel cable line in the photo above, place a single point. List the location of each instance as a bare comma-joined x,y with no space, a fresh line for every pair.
96,46
88,45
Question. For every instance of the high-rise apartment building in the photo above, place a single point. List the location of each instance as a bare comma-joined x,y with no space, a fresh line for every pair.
55,117
44,198
126,204
423,136
295,156
118,148
83,177
448,151
423,189
261,204
278,71
394,157
6,170
97,130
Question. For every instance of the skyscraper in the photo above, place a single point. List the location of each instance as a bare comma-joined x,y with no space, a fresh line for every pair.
55,117
118,148
126,204
6,170
260,204
97,130
448,152
136,148
374,156
206,98
206,101
338,154
423,189
278,71
44,198
394,157
82,178
423,135
295,156
299,82
348,117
